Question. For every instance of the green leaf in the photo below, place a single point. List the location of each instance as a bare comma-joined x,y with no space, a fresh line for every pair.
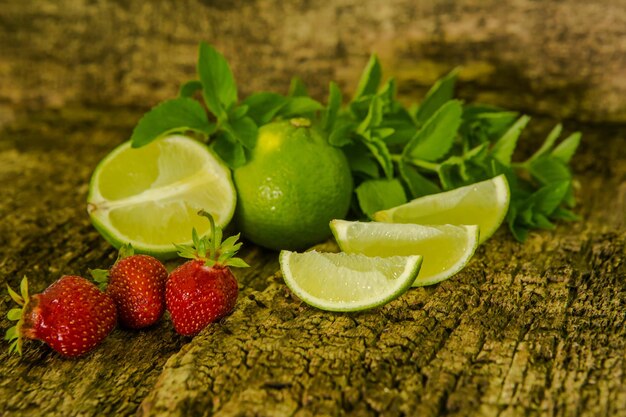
504,147
548,143
171,116
232,153
549,197
566,149
380,194
237,263
15,296
297,88
263,106
548,169
190,88
11,333
360,160
299,106
437,135
379,150
14,314
218,84
373,119
564,214
417,184
341,134
333,107
370,78
243,131
541,221
439,94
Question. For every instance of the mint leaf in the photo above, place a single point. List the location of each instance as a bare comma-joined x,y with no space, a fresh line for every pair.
379,150
549,197
297,88
243,131
548,143
171,116
360,160
190,88
439,94
299,106
504,147
333,107
373,118
263,106
370,78
231,152
548,169
379,194
417,184
566,149
218,84
435,138
341,134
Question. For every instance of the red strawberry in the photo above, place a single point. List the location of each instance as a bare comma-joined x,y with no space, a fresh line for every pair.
137,285
203,290
72,316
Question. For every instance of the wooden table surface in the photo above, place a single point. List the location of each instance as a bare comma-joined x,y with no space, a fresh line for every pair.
525,329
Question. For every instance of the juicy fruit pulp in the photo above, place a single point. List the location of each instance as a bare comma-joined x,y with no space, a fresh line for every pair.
347,282
137,286
293,185
484,203
72,316
149,196
446,249
197,295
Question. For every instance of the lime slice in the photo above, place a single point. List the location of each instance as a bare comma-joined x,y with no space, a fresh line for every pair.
446,249
149,196
347,282
483,203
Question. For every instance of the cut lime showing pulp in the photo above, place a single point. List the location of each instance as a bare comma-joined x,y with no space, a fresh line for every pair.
446,248
347,282
150,196
484,203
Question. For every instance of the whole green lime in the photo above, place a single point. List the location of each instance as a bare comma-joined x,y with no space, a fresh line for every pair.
292,186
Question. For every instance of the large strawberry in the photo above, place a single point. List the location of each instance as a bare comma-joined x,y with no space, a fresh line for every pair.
72,316
137,285
203,290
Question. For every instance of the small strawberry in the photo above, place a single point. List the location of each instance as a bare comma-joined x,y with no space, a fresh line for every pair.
72,316
203,290
137,285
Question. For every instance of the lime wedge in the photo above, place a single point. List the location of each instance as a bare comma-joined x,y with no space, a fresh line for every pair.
149,196
484,203
347,282
446,249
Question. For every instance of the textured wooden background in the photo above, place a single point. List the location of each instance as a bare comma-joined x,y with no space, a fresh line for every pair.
530,330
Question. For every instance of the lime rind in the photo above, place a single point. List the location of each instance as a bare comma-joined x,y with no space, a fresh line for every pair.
398,286
100,209
372,238
439,208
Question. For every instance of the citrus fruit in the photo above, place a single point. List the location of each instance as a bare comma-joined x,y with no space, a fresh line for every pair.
446,248
150,196
292,186
347,282
484,203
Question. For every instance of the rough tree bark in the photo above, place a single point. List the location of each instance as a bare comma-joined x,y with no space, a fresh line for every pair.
526,329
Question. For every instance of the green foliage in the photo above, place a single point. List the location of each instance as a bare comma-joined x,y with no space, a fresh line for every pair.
395,152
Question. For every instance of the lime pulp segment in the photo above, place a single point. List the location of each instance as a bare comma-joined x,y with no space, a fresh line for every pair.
484,203
149,196
347,282
446,249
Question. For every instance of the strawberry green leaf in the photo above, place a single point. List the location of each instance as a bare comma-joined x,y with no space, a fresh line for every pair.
172,116
218,84
101,276
237,263
14,314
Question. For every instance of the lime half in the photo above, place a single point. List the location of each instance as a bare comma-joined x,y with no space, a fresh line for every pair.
446,249
484,203
150,196
347,282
